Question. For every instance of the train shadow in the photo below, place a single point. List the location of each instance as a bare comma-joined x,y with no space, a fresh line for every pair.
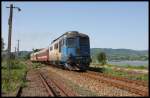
96,69
80,71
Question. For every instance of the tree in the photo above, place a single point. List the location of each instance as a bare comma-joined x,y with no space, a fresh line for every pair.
35,50
27,56
102,58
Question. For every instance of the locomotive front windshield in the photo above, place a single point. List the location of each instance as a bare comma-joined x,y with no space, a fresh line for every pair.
71,42
84,41
84,46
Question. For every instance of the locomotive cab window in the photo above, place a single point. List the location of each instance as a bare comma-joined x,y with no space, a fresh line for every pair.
71,42
60,45
56,46
62,42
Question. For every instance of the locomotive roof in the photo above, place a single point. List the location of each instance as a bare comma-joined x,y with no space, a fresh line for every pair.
75,33
42,50
72,34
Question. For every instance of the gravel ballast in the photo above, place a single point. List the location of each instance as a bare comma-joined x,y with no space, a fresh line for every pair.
97,87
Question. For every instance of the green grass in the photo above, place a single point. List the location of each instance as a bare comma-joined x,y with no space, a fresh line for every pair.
115,73
126,74
123,66
110,71
136,67
17,76
37,65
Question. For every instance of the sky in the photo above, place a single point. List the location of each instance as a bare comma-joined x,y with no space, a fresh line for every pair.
108,24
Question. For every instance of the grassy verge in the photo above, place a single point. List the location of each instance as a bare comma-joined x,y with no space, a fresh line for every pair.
136,67
143,77
129,66
119,73
123,66
17,76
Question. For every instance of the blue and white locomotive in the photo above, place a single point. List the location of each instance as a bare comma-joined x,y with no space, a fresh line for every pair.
71,50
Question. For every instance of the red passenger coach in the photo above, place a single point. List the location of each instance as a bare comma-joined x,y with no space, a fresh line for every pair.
42,55
33,57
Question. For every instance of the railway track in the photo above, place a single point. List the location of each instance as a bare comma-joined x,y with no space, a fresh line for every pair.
48,88
134,86
54,88
48,85
125,84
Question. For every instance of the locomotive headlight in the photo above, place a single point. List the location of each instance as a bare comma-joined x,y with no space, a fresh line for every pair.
71,58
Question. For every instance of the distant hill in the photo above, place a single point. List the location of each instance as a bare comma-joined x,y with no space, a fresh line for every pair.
120,54
24,53
112,54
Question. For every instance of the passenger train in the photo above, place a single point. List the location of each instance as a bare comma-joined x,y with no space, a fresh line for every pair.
71,51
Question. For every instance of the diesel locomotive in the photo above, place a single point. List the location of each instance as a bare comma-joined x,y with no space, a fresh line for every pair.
71,51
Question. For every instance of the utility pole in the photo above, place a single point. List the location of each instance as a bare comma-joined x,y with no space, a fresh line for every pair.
10,28
18,48
15,52
9,37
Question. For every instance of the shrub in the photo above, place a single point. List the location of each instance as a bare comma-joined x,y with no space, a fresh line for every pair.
102,58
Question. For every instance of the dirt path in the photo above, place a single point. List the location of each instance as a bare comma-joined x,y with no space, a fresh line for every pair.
34,86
